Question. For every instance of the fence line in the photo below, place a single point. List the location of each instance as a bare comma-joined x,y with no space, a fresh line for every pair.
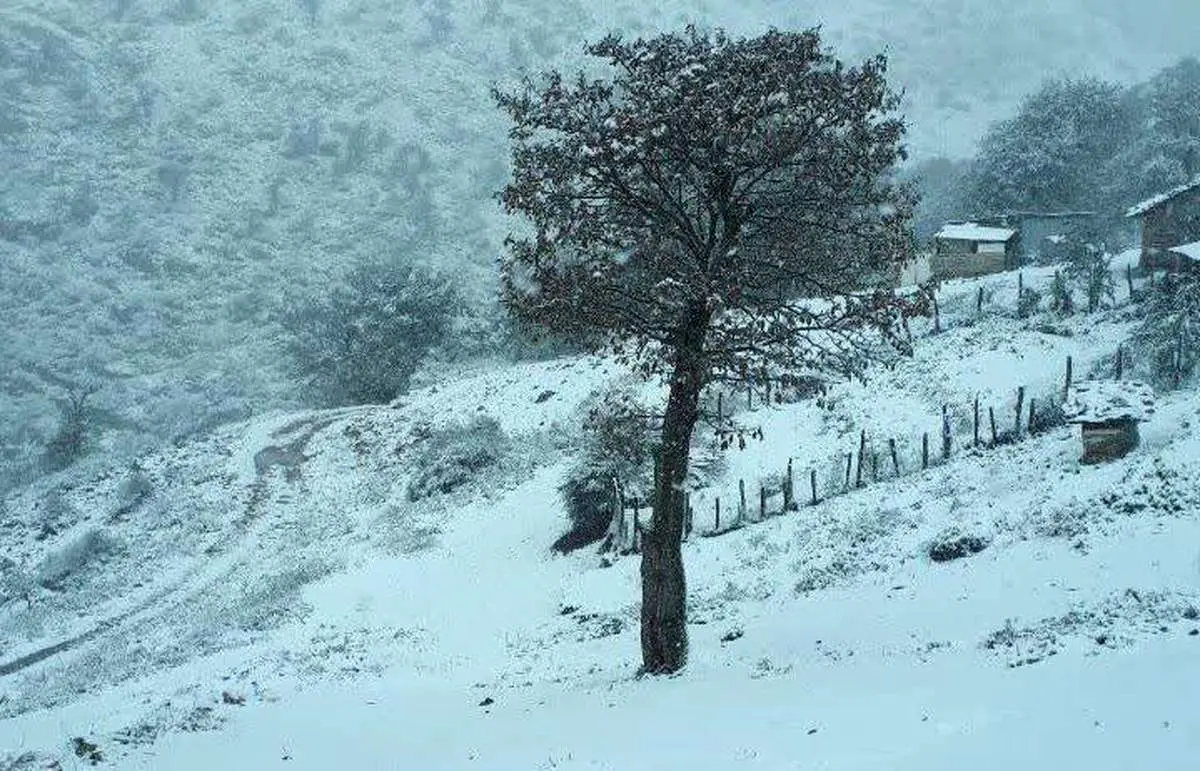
780,498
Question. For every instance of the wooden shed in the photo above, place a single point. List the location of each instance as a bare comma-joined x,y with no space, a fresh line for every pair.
1168,220
1108,413
1038,229
968,249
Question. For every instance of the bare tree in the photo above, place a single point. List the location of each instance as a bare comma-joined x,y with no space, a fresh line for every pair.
716,210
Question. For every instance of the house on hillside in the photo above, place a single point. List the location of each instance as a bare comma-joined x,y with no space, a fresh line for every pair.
968,249
1169,221
1039,229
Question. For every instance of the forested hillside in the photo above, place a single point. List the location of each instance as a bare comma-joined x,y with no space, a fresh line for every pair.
180,173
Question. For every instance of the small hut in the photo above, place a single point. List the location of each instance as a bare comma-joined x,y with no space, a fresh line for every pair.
968,249
1108,413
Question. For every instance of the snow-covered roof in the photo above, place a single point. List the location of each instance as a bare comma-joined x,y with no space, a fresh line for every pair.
1161,198
1191,251
970,231
1103,400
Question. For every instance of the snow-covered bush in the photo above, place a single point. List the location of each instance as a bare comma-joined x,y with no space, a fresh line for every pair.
616,447
1062,302
1168,339
1048,415
133,491
15,583
953,544
362,343
453,456
76,556
70,441
1028,303
1091,270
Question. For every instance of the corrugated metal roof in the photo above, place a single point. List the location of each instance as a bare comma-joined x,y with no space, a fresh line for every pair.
1191,251
1161,198
969,231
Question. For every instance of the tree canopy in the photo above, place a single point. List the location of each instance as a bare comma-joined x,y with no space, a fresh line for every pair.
722,174
1054,153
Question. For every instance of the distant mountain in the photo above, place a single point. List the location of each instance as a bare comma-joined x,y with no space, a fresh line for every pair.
175,171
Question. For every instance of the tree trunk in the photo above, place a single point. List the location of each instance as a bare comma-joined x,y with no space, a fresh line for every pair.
664,589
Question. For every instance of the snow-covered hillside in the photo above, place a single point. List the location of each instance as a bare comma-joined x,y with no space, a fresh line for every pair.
271,596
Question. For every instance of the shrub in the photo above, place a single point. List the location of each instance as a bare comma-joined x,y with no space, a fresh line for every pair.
362,343
70,441
133,491
71,560
1028,302
953,544
1092,271
15,583
453,456
1061,300
617,446
1168,338
1048,415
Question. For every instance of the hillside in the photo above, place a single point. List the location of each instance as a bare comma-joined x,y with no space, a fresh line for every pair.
179,171
271,596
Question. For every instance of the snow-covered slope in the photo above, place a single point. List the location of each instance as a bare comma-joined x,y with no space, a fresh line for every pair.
271,597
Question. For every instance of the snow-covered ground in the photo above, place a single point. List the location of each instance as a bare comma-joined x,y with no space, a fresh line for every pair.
270,597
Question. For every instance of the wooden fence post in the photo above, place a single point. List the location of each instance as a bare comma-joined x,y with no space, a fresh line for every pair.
1120,360
1067,381
849,466
992,420
862,451
762,501
976,420
812,481
945,432
1129,278
979,301
636,526
720,409
1020,409
1020,292
717,523
789,490
925,451
895,458
1032,415
749,396
741,512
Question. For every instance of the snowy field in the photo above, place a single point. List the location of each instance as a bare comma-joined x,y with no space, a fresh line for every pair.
270,597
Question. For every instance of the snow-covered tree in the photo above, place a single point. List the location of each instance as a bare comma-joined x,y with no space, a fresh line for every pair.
709,212
1168,339
1052,153
1165,150
361,343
